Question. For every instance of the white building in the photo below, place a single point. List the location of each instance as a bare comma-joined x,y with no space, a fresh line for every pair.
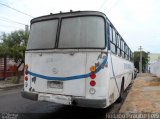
154,63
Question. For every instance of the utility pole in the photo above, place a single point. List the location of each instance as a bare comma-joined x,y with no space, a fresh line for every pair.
140,62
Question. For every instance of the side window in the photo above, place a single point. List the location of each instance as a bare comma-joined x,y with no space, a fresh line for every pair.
122,45
113,47
117,36
114,37
125,52
122,48
129,55
118,45
110,33
112,40
118,51
118,41
122,54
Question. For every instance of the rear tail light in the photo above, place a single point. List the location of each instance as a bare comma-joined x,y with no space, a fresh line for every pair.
26,78
93,76
26,69
92,83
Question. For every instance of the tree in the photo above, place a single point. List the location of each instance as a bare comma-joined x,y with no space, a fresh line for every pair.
145,60
13,45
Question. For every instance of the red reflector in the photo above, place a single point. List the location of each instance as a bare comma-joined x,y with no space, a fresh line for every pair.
92,83
92,76
26,78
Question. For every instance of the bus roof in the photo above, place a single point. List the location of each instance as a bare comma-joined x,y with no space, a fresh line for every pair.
67,14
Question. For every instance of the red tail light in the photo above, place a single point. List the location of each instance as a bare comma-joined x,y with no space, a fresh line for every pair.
26,78
93,76
92,83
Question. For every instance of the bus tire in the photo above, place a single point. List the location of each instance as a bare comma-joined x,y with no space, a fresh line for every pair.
121,95
132,76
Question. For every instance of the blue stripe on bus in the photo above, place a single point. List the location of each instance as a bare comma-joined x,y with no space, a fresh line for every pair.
70,77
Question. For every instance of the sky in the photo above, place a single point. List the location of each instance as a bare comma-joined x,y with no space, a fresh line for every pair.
138,21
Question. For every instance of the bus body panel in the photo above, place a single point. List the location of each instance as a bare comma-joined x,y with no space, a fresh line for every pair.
62,65
101,79
119,69
57,65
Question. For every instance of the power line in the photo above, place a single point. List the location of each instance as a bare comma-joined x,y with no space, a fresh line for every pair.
113,5
11,21
16,10
103,3
5,26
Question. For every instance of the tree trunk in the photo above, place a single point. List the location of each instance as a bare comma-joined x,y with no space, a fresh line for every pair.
18,73
5,67
18,77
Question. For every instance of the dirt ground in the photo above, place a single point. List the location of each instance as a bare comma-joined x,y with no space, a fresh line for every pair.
144,95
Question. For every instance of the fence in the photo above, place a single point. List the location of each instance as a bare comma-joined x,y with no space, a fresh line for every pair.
8,68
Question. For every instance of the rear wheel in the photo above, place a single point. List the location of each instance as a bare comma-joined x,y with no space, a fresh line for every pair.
121,92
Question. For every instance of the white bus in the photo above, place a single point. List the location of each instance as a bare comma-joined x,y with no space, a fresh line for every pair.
76,58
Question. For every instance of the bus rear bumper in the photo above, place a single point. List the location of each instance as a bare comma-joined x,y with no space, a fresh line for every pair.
67,100
93,103
28,95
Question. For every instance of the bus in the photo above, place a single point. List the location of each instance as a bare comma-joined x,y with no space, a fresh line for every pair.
76,58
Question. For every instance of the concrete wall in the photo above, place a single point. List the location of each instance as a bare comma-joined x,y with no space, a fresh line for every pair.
155,68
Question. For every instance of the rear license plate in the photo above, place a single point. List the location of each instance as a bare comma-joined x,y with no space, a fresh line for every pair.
55,84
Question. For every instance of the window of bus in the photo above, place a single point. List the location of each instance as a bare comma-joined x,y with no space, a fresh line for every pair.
82,32
114,36
122,48
122,45
118,45
112,40
110,33
122,54
126,51
118,40
113,47
130,55
118,51
43,34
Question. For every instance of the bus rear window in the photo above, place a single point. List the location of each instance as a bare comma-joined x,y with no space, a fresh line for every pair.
82,32
43,35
